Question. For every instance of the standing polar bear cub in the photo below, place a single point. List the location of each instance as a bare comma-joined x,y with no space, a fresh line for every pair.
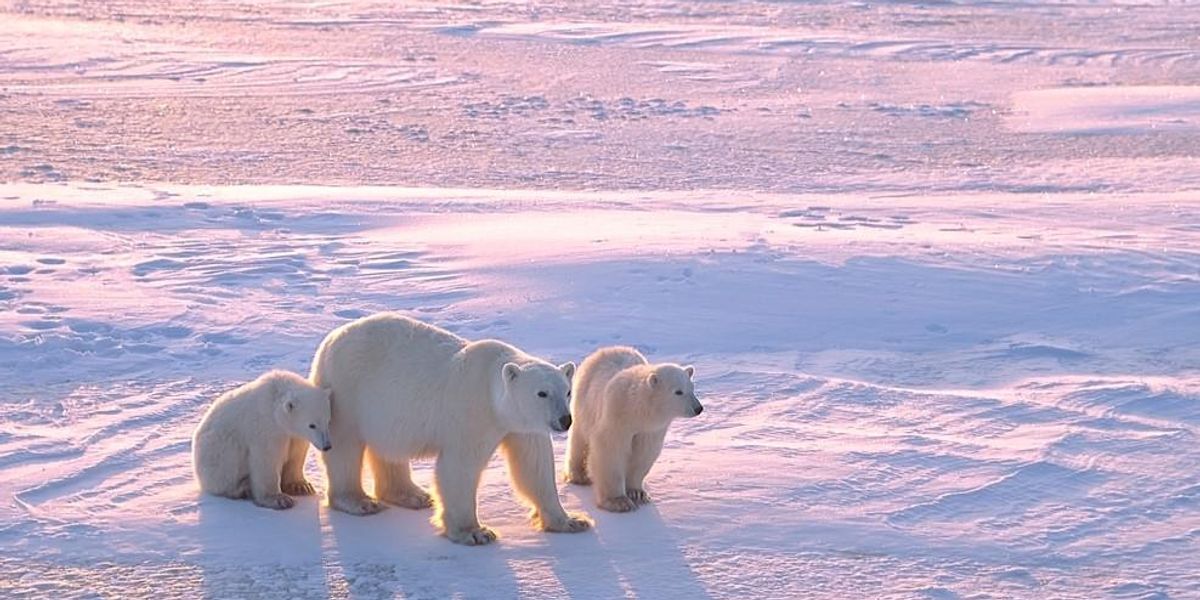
405,390
622,408
253,440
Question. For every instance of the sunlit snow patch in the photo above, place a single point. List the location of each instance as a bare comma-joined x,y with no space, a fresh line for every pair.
1132,109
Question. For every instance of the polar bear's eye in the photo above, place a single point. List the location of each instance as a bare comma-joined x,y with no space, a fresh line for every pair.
678,392
542,394
312,426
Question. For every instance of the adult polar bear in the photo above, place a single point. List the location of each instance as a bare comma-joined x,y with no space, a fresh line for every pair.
403,389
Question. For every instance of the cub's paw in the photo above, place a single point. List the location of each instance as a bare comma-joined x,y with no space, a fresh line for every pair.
639,497
276,501
298,488
356,505
618,504
472,536
569,523
415,499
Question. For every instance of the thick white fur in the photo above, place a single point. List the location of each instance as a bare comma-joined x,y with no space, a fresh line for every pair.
253,440
403,389
622,407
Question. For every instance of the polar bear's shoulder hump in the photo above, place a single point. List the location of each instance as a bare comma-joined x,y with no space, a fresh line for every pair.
493,351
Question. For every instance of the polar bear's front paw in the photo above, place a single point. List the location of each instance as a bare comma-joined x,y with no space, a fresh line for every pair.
298,488
638,496
570,523
356,505
618,504
472,536
415,498
275,501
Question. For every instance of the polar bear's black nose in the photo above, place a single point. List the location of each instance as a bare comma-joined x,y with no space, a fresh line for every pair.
564,422
327,448
699,409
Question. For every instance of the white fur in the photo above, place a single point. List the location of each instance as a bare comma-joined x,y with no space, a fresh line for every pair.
252,442
622,408
403,389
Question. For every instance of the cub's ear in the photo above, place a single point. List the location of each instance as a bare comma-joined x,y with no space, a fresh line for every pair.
289,401
510,371
690,370
652,380
568,369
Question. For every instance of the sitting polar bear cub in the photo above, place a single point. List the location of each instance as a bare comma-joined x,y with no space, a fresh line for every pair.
621,409
406,390
253,440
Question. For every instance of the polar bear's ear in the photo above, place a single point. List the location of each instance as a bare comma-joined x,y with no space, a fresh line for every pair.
289,401
690,370
652,380
568,369
510,371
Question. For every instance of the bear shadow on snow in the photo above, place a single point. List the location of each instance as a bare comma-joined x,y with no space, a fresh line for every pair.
234,536
397,553
635,551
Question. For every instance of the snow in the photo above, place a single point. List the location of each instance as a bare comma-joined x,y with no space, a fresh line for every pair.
1105,109
937,267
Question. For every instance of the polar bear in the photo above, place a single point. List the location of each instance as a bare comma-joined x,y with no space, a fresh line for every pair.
622,408
403,389
253,440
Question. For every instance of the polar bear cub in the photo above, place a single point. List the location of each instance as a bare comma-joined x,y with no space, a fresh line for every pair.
253,440
621,410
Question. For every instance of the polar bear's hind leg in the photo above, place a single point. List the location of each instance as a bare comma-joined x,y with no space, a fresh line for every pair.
394,484
343,468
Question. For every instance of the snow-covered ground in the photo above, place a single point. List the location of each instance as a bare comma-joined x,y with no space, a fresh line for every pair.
938,266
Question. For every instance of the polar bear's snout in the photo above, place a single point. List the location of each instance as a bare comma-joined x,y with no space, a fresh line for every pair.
563,423
562,419
696,407
321,441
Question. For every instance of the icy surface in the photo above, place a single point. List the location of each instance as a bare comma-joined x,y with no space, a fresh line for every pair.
938,266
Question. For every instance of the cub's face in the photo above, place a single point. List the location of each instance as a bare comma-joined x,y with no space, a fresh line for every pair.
536,396
305,413
674,394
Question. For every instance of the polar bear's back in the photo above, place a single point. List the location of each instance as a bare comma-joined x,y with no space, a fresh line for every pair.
380,341
596,371
389,376
250,407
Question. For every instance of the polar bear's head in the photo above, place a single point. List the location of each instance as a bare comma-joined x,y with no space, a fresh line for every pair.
304,411
536,395
672,393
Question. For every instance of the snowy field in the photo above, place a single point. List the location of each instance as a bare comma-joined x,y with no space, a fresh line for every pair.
937,265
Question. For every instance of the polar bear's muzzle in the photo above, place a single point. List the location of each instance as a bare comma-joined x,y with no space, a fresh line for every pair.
321,441
562,424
